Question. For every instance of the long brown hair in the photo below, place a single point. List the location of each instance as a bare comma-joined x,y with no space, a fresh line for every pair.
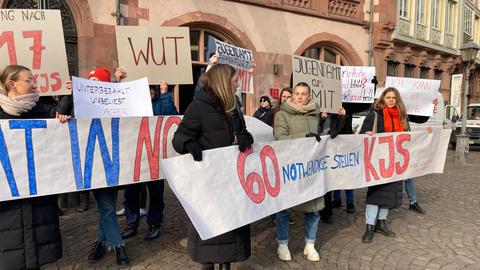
380,104
279,101
10,73
219,80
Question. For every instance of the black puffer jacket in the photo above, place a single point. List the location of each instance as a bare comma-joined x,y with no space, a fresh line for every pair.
206,122
29,228
385,195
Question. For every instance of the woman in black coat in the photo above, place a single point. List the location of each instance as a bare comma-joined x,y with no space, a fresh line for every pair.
214,120
29,228
388,115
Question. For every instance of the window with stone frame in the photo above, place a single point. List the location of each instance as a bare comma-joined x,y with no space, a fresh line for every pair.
392,68
409,70
420,18
437,75
468,21
435,14
424,72
327,54
404,8
449,13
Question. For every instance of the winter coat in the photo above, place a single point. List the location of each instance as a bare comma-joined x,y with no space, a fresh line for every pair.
29,228
290,124
265,115
385,195
163,104
206,123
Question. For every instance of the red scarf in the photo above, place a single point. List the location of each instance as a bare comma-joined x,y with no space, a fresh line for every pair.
391,116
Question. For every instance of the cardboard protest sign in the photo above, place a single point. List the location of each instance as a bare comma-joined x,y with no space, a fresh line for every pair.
34,38
278,175
128,152
357,86
417,94
159,53
95,99
323,78
239,58
456,92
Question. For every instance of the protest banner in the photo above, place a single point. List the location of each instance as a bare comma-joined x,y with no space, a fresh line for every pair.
239,58
220,194
34,38
323,78
88,153
456,92
417,94
357,86
159,53
95,99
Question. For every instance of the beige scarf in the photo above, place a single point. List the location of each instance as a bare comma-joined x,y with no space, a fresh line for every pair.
17,105
311,106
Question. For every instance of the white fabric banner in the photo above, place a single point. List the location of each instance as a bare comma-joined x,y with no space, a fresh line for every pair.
43,157
221,194
357,84
417,94
102,99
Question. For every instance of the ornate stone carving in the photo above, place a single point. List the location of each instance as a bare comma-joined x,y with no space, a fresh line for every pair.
435,36
345,8
421,32
298,3
404,27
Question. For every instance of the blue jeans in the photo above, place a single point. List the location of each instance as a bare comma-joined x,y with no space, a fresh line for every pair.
108,229
311,226
348,193
132,203
374,212
411,190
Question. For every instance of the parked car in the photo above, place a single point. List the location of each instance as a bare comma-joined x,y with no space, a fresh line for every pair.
473,124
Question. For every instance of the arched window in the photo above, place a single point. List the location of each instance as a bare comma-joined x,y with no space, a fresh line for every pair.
326,54
68,23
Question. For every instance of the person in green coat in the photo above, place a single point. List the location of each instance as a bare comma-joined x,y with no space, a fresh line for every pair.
297,118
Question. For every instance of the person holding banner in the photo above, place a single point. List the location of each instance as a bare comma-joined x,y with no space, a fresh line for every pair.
387,115
29,228
211,121
299,118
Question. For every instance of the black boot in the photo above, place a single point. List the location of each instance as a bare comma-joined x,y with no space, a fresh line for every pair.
224,266
122,258
97,253
207,266
382,228
368,236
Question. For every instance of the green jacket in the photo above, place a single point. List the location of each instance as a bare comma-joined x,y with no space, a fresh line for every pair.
290,124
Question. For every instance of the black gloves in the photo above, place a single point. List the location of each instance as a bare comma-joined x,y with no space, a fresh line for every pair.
333,133
194,148
245,140
311,134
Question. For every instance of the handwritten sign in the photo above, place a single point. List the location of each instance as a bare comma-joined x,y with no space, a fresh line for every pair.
456,92
417,94
323,78
159,53
357,86
278,175
34,38
95,99
88,153
239,58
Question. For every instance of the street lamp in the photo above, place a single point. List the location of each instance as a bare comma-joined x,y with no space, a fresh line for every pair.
469,53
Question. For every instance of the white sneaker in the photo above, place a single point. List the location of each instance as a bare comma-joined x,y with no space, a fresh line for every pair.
283,252
143,212
311,253
121,212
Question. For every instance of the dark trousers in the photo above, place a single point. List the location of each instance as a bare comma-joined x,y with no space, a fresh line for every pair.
327,210
155,210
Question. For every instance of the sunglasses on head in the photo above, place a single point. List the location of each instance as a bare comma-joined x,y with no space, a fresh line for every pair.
262,100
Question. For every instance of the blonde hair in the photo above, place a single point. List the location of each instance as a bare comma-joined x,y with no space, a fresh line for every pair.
380,104
219,80
11,72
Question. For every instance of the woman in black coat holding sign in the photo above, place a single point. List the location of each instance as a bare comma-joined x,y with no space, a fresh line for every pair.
211,121
387,115
29,228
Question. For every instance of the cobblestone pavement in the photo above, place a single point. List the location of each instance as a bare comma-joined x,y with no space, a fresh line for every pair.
446,237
